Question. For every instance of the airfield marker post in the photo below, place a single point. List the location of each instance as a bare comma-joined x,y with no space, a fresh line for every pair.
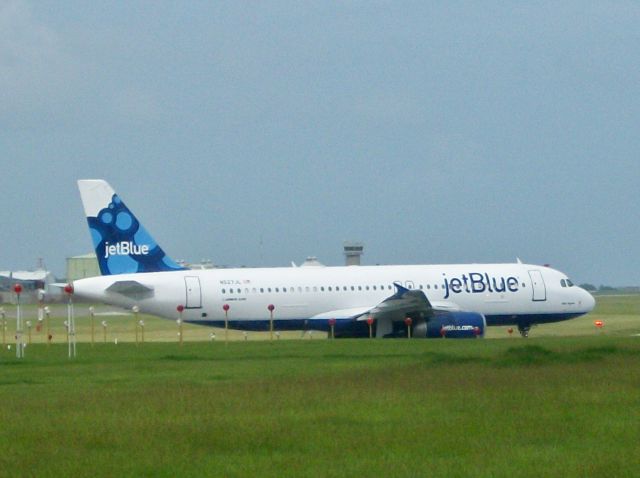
92,314
71,322
332,324
28,331
47,316
225,307
104,331
599,324
4,326
180,309
41,295
271,308
142,330
510,330
17,288
408,323
135,309
370,324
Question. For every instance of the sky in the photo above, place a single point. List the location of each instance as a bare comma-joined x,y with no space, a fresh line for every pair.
259,133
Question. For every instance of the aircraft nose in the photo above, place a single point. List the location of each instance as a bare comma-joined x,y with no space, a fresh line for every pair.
588,301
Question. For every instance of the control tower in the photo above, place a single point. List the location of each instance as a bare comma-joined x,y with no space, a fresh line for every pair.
352,252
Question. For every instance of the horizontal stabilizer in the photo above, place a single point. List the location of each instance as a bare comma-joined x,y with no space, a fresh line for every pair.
132,289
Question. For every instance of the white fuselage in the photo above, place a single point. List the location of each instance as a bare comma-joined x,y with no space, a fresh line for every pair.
504,293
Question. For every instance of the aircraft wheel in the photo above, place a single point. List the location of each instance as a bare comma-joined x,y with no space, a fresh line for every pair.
524,330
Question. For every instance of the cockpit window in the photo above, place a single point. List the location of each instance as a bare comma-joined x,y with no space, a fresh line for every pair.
569,283
563,283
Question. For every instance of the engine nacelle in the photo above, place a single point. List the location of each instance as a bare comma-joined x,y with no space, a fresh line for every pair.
456,325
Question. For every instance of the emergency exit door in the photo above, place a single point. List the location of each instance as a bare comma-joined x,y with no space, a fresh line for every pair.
539,289
194,295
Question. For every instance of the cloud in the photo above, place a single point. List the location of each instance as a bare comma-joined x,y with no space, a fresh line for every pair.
134,105
33,66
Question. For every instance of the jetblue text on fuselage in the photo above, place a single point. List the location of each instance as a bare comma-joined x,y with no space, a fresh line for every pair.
125,249
477,283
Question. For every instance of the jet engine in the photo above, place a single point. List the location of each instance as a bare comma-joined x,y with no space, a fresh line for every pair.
456,325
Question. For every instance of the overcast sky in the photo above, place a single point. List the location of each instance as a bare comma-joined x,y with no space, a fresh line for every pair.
256,133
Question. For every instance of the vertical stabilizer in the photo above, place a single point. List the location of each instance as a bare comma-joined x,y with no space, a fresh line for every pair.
121,243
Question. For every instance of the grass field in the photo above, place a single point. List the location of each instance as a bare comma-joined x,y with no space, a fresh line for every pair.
556,404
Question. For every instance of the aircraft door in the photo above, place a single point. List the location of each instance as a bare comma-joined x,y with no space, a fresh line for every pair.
194,295
539,289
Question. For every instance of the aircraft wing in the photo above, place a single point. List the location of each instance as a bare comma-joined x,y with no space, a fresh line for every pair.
403,303
397,307
341,314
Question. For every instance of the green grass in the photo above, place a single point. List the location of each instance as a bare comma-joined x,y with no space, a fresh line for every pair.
620,314
121,326
565,406
562,405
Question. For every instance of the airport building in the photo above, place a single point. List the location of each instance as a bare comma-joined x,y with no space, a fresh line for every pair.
80,267
31,282
353,252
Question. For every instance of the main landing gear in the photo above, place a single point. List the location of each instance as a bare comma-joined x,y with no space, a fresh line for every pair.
524,330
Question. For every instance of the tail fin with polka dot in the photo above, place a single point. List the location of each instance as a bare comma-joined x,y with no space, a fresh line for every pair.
121,242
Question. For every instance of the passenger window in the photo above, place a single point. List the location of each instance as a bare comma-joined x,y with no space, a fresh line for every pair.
223,291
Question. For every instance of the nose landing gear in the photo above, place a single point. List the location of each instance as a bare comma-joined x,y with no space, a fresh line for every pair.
524,330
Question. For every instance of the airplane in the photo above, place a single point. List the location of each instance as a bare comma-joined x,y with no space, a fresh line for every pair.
452,301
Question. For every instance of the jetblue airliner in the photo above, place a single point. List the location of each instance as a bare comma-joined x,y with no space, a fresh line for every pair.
434,300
